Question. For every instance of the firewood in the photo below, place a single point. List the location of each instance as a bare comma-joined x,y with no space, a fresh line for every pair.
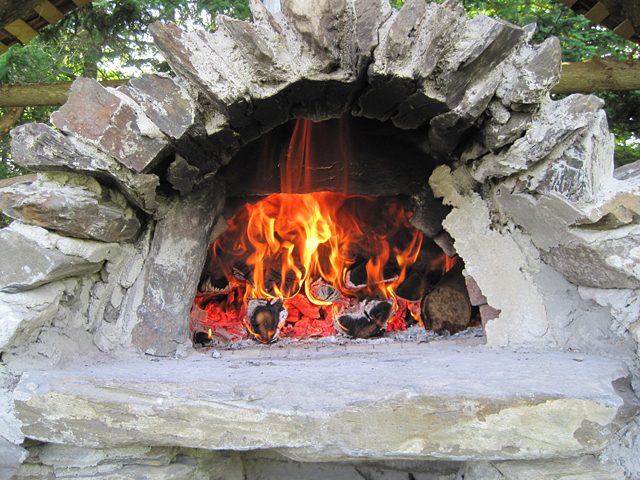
365,319
413,287
265,318
447,306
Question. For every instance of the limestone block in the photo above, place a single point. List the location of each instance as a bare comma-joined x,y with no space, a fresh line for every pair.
74,205
556,122
422,403
112,123
606,263
40,148
11,456
582,468
166,287
174,111
26,264
591,258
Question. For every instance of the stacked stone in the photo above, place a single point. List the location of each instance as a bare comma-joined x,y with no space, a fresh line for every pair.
127,191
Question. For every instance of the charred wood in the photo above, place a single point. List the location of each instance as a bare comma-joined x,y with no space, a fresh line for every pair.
413,287
447,306
265,318
365,320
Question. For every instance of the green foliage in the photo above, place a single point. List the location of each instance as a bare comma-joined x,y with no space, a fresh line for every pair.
580,40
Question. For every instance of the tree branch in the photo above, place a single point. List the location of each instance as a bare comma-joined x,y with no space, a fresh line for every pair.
599,75
47,95
9,119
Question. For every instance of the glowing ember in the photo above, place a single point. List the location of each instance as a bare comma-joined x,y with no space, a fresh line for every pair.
310,265
322,254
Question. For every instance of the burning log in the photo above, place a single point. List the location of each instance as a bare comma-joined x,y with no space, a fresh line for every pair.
324,292
366,319
357,277
265,318
447,306
413,287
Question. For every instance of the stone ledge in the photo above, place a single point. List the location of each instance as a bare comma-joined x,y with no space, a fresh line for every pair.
384,402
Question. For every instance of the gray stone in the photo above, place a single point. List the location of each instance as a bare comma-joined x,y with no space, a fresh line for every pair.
38,147
167,285
497,135
422,404
480,471
26,312
112,124
181,175
579,170
166,103
26,264
324,25
408,53
611,263
11,456
582,468
555,123
77,206
536,70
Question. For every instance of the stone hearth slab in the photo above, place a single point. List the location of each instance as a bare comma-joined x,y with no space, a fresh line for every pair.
361,401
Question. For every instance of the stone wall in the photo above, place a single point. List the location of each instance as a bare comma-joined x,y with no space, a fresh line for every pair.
109,239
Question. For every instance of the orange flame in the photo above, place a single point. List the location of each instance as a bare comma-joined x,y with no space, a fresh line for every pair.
291,240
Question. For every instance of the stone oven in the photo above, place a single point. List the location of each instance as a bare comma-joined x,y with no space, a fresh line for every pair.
447,116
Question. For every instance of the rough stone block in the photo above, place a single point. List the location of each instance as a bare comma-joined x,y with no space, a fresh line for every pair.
166,104
580,169
167,285
38,147
536,70
609,263
27,264
555,123
106,120
75,205
422,404
25,312
11,456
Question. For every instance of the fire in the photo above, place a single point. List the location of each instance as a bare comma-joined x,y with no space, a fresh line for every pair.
306,264
289,241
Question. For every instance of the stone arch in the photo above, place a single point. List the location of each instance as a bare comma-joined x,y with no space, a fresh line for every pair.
477,89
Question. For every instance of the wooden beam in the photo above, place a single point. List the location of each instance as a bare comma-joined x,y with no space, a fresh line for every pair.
12,10
599,75
81,3
3,48
42,94
22,31
625,29
49,12
598,13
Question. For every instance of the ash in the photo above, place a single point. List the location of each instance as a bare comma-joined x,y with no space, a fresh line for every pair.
414,335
